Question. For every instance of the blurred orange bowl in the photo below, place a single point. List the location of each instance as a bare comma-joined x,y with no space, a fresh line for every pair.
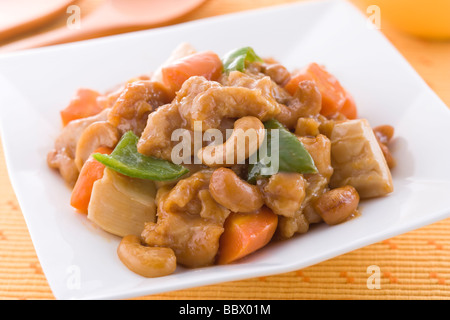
428,19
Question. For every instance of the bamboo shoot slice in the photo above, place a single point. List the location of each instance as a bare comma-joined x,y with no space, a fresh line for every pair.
358,161
121,205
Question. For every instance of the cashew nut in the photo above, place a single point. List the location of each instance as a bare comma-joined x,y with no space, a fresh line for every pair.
384,133
148,262
336,205
278,73
62,157
247,137
98,134
234,193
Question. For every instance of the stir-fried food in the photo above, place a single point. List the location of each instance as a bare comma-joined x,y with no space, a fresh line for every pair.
210,158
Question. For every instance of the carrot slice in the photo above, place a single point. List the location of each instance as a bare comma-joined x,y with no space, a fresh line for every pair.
349,108
91,171
334,95
205,63
245,233
83,104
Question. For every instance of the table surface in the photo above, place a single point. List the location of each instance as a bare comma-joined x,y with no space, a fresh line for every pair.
415,265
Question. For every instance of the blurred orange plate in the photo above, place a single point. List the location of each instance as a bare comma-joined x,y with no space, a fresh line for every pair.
22,15
111,16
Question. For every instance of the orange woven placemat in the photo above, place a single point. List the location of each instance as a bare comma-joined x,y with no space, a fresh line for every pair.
415,265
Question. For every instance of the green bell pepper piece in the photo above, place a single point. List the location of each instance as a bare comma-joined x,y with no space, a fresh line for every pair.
126,160
293,157
235,60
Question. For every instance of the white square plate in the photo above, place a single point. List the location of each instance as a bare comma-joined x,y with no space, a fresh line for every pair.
80,260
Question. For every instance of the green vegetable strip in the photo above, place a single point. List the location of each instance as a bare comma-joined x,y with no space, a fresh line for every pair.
235,60
293,157
126,160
